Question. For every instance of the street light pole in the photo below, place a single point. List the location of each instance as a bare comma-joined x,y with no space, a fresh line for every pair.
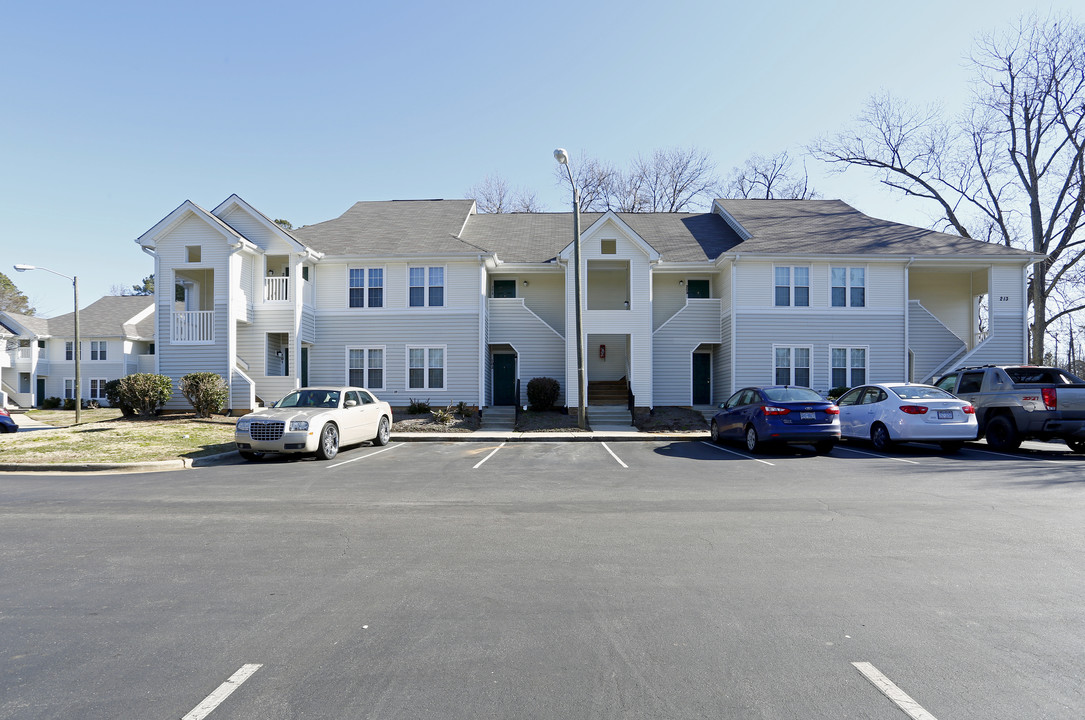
76,356
581,416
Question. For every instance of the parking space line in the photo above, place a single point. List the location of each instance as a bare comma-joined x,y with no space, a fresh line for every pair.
894,693
363,457
883,457
223,691
614,456
723,449
479,463
1015,457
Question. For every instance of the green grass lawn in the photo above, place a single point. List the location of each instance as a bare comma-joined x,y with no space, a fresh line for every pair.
104,436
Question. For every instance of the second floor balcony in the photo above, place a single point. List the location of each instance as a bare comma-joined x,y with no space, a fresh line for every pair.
190,327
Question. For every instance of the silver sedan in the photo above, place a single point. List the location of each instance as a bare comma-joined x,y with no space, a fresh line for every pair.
887,413
315,420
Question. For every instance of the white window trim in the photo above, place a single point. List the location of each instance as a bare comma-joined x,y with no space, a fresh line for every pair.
848,367
365,294
365,365
64,390
426,287
103,345
791,378
426,367
792,285
66,344
848,286
101,388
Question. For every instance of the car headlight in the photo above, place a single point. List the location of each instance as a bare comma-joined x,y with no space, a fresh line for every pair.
299,424
243,424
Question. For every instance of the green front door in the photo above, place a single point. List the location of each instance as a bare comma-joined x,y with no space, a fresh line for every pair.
304,366
702,379
41,390
505,380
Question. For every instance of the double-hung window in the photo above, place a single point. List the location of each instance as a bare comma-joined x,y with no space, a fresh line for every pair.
427,286
848,366
366,287
792,366
69,388
792,286
365,367
97,389
97,349
848,286
426,368
69,350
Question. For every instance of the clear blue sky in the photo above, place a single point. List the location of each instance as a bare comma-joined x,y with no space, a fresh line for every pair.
113,113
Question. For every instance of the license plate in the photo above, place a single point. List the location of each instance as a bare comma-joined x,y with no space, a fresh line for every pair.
806,416
945,414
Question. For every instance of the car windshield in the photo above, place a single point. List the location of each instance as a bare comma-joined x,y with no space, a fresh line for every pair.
920,392
792,394
311,398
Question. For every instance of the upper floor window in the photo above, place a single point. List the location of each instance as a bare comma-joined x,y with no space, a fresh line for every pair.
69,349
792,366
366,287
792,286
849,287
193,253
849,366
608,247
427,286
97,349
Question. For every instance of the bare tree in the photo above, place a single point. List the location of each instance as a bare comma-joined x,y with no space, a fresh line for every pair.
674,180
1012,170
495,195
768,178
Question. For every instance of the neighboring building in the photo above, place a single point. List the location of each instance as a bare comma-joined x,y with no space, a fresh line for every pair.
116,338
430,300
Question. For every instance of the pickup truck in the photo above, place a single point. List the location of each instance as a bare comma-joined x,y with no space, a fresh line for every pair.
1019,402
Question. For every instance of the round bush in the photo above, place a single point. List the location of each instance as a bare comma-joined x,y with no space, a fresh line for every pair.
542,393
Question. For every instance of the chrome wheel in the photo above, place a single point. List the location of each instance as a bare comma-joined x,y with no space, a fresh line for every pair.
384,432
329,442
715,432
751,439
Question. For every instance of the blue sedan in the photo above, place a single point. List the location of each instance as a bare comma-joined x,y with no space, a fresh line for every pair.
6,423
778,414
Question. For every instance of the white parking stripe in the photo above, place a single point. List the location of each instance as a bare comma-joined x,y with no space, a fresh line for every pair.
723,449
363,457
615,456
223,691
894,693
479,463
883,457
1015,457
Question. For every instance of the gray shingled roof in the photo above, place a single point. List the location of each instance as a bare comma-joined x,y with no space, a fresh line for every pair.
538,237
33,323
105,317
833,227
394,227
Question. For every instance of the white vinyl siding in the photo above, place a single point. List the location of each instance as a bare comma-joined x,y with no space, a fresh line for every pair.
698,323
539,347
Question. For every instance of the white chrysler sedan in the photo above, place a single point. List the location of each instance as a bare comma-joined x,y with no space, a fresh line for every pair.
314,420
887,413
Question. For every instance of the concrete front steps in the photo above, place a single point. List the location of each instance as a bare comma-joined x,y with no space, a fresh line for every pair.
608,392
610,416
499,417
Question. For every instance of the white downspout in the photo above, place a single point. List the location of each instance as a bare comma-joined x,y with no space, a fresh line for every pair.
907,339
484,342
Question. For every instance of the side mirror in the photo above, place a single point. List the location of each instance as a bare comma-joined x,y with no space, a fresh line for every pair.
350,403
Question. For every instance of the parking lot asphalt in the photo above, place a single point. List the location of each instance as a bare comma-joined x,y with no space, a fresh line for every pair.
669,579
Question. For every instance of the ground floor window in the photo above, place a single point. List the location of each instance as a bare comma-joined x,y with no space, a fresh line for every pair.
69,388
849,366
426,368
97,389
365,367
792,366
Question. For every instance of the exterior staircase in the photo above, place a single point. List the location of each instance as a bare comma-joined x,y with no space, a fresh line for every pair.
709,412
608,392
600,416
499,417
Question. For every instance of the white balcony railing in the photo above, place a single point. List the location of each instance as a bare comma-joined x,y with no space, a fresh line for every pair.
276,288
193,326
22,353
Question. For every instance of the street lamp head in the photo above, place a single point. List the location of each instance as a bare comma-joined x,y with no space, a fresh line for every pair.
24,268
561,156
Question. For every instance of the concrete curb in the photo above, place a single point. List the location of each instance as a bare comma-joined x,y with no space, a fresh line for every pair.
475,436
